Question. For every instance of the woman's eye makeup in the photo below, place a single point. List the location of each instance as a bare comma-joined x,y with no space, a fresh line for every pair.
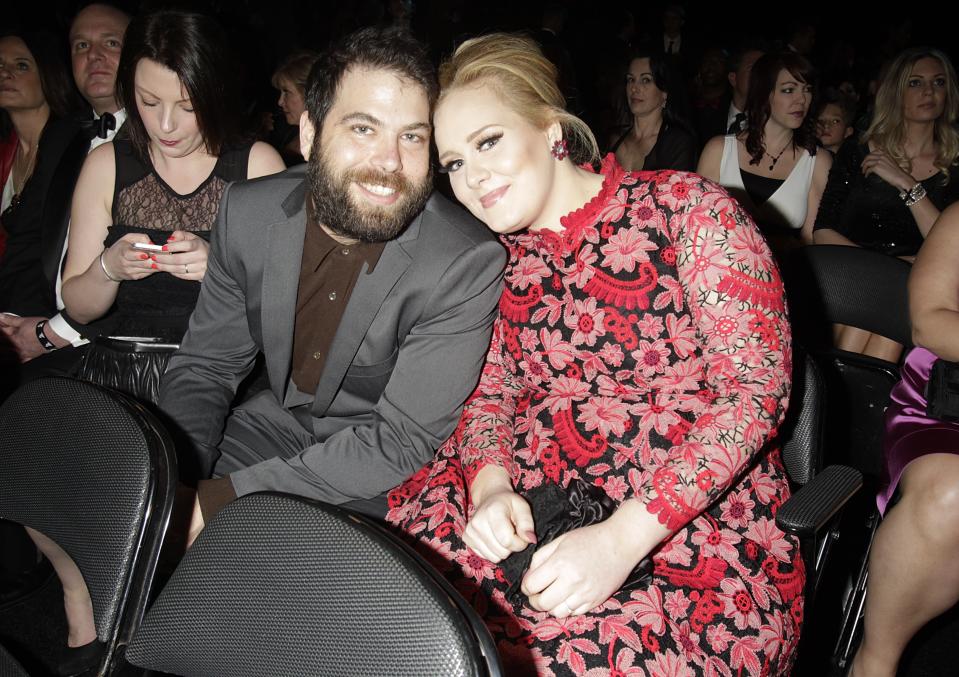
450,167
488,142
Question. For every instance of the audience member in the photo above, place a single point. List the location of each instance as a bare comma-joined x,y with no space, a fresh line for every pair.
578,411
740,66
374,341
35,95
885,192
675,43
912,566
834,117
711,95
160,186
772,166
183,148
95,38
801,38
657,137
290,79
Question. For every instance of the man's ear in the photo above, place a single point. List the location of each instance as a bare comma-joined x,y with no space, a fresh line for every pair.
307,132
849,132
731,77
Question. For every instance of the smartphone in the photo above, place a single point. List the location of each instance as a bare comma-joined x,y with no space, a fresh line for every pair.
149,246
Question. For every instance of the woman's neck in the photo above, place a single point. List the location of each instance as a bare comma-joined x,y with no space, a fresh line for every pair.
776,137
920,138
645,126
29,126
572,188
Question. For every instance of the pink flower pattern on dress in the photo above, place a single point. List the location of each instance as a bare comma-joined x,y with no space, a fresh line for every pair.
645,349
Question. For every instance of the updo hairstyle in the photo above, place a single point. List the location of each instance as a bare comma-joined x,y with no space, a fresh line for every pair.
525,80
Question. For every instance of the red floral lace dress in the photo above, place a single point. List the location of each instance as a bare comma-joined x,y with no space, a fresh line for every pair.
644,349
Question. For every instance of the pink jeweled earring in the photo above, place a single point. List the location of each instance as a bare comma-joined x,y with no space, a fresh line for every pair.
560,149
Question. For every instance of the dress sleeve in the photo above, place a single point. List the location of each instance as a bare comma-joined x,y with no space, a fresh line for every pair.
734,296
486,431
846,171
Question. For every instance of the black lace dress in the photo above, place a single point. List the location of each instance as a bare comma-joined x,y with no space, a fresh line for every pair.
159,306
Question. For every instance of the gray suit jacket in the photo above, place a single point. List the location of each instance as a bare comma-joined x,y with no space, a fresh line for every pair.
406,356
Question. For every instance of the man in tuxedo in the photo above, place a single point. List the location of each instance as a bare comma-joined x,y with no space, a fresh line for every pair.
33,323
370,297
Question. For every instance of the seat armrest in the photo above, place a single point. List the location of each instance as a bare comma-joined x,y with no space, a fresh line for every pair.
814,505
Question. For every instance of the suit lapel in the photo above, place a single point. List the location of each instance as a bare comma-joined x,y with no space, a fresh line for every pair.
365,301
281,277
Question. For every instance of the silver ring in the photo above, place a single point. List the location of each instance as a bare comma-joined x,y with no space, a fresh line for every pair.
185,268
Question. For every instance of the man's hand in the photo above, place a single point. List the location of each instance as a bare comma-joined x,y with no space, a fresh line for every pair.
21,334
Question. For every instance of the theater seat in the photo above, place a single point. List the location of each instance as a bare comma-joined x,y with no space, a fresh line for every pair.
283,586
813,512
95,472
869,290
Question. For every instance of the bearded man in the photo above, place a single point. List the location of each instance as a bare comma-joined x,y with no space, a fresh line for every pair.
370,297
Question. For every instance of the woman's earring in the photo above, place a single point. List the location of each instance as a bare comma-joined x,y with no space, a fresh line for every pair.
560,149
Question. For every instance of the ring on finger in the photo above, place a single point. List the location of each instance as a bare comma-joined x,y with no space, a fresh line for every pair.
186,269
564,609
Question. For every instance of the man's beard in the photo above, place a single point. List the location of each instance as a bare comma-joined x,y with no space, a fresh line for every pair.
334,207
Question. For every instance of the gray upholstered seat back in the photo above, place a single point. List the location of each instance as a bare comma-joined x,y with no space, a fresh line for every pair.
281,586
75,465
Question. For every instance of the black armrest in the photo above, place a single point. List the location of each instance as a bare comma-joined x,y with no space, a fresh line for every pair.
814,505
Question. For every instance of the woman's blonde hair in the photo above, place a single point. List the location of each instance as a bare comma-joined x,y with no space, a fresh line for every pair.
887,132
514,66
296,69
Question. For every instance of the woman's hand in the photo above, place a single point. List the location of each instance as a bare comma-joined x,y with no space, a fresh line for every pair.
580,570
184,256
881,165
124,262
501,525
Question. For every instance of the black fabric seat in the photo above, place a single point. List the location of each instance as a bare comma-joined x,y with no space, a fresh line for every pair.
95,472
814,510
282,586
868,290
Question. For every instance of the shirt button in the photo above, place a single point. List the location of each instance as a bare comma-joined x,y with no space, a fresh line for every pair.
345,251
332,296
317,355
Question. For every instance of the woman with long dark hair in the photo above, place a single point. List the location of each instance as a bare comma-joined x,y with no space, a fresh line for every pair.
35,89
144,206
142,212
656,139
772,166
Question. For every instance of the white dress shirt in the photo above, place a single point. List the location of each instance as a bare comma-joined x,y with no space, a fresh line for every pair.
57,323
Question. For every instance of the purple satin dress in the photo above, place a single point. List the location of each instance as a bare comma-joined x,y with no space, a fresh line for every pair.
909,432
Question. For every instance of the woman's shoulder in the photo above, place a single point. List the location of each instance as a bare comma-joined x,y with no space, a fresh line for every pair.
262,160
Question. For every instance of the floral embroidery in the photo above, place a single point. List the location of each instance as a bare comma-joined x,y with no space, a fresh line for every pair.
644,349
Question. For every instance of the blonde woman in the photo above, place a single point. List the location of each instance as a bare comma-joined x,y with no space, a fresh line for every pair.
607,500
886,192
290,80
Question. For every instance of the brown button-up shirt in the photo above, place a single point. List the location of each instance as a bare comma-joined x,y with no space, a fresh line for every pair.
328,273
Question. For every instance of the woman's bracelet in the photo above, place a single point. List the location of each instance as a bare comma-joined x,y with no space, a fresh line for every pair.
105,271
47,344
913,195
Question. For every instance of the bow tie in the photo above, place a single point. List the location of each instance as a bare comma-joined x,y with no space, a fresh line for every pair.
100,126
737,124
